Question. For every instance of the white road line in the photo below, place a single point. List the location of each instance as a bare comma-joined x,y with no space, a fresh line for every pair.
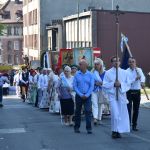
14,130
139,137
15,106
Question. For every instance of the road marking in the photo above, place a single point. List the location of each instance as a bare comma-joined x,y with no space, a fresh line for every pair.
15,106
14,130
139,137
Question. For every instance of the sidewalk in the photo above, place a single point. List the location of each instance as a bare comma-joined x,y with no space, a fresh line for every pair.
144,102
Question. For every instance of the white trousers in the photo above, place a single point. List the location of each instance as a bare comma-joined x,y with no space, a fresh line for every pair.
17,90
98,104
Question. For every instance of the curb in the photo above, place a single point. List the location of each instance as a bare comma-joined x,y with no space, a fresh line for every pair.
145,105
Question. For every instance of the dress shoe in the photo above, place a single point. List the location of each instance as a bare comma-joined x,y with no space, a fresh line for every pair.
1,105
71,123
114,135
76,130
118,135
99,122
135,129
95,122
89,131
66,124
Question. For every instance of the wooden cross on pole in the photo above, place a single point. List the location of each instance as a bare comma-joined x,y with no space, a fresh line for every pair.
117,12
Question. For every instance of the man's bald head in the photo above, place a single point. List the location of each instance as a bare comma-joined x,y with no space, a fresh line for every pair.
83,64
83,61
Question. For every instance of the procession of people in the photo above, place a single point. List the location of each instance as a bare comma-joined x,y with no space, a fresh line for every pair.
77,91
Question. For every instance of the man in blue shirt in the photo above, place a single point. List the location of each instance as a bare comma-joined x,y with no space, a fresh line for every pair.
83,85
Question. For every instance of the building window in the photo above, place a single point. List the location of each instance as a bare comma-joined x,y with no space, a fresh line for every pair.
83,44
9,46
25,20
25,2
35,16
6,15
16,45
9,30
16,31
87,44
9,59
16,60
49,43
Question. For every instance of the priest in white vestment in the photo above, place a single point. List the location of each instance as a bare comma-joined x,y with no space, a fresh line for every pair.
119,113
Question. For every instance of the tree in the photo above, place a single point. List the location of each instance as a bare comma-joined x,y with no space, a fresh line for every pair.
2,27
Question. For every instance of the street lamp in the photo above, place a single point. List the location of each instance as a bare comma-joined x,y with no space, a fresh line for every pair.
112,4
78,24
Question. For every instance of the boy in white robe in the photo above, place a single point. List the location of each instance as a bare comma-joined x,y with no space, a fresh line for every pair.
119,113
44,103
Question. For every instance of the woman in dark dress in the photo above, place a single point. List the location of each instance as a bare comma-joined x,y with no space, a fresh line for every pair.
65,87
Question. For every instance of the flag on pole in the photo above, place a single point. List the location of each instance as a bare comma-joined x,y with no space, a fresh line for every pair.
125,52
124,39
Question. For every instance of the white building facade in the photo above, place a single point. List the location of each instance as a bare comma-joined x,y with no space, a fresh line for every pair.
81,32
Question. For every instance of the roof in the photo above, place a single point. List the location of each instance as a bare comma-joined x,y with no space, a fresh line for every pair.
89,12
14,10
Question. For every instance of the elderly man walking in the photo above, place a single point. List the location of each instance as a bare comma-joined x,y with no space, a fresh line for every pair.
83,85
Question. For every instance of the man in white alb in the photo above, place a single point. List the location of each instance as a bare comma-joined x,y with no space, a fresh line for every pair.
118,105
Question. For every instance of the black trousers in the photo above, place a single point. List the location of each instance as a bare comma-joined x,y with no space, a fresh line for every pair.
37,96
134,97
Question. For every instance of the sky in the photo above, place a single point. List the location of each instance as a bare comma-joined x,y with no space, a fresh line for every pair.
130,5
3,1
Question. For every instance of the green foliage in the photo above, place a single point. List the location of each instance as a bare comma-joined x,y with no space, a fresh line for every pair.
5,68
2,27
147,90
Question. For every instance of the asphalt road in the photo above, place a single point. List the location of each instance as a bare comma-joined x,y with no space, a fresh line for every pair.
24,127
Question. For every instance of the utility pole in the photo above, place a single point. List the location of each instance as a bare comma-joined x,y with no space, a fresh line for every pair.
78,24
112,4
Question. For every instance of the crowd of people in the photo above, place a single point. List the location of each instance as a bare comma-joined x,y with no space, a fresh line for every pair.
76,91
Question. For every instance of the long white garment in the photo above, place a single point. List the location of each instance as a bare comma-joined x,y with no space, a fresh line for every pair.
54,100
119,113
40,85
44,103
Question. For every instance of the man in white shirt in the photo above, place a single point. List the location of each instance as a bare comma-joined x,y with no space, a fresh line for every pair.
16,82
118,105
137,79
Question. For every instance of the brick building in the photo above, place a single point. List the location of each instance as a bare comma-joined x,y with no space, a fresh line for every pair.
97,28
11,40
